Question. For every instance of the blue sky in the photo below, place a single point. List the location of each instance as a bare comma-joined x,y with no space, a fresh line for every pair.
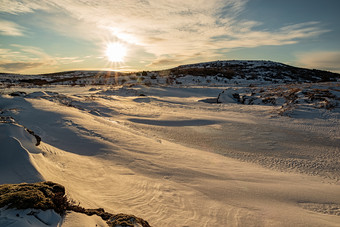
58,35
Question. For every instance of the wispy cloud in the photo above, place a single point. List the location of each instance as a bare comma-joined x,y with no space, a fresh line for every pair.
326,60
19,66
166,61
162,28
9,28
33,53
69,60
22,6
19,58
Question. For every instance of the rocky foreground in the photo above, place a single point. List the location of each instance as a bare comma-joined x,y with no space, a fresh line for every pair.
51,196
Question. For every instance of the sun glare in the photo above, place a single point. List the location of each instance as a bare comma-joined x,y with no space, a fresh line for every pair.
115,52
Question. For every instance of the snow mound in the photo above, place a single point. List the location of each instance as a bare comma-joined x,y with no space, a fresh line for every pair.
229,95
122,91
39,94
16,164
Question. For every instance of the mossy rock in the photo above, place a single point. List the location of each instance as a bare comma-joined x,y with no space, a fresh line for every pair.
49,195
126,220
42,195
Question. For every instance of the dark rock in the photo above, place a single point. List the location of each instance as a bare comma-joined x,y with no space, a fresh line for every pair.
18,93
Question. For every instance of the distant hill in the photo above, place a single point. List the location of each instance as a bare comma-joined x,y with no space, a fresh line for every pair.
250,70
207,74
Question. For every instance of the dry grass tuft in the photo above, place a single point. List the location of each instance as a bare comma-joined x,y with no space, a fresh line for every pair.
43,195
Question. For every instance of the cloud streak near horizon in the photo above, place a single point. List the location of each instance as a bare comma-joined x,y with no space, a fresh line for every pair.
8,28
168,32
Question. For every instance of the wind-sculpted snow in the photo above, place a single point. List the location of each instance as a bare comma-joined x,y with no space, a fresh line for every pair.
16,146
223,143
176,156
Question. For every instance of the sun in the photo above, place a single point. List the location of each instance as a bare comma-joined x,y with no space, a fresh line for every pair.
115,52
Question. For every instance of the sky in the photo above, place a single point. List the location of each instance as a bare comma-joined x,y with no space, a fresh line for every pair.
42,36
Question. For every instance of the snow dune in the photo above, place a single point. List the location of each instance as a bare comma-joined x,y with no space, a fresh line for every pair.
173,160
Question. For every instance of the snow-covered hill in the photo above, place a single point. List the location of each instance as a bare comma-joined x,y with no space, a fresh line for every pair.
265,71
216,73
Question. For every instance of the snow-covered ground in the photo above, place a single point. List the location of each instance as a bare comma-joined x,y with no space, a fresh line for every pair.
39,218
28,217
173,156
